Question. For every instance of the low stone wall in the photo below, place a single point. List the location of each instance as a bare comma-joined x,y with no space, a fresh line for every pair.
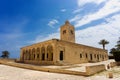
38,68
89,69
113,64
6,60
94,69
39,62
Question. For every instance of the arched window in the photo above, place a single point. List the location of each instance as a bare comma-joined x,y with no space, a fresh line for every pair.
86,55
43,53
33,53
94,55
29,54
90,56
80,55
64,31
23,55
61,55
38,53
50,52
71,31
98,56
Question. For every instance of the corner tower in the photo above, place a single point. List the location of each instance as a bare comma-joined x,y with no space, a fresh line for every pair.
67,32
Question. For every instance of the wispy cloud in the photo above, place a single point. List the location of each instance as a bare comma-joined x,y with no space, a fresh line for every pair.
76,18
63,10
112,6
40,38
52,23
77,10
83,2
109,31
92,35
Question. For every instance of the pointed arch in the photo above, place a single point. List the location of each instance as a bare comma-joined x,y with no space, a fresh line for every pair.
43,53
27,55
50,52
38,53
30,54
33,53
23,55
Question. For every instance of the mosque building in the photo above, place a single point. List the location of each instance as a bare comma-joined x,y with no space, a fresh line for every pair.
62,51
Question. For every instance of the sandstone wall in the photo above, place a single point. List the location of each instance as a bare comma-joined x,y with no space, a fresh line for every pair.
77,53
94,69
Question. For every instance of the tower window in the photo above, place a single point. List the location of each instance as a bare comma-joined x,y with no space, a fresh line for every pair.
71,32
64,31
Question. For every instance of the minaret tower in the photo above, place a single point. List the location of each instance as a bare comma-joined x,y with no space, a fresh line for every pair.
67,32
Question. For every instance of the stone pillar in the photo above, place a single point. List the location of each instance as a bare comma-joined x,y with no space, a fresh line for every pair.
35,56
45,54
21,55
40,56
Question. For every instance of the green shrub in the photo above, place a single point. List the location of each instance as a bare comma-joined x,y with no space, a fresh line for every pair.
116,55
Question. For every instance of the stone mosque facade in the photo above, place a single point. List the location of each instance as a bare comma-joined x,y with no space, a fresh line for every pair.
63,51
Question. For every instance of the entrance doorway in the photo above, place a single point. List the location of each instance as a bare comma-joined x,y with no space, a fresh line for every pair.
61,55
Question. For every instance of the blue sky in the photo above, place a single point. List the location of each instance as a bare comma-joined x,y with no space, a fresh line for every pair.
25,22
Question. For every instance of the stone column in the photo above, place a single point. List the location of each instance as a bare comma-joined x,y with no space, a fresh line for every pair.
45,54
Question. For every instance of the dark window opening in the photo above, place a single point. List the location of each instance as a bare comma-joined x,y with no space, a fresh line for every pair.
80,55
61,55
43,56
64,31
34,56
91,56
71,32
37,55
86,55
47,55
95,55
98,57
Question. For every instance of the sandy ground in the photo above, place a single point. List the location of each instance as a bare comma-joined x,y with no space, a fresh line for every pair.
14,73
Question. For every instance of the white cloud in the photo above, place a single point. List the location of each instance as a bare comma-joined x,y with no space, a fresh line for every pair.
40,38
63,10
77,17
110,31
110,7
77,10
83,2
91,36
52,23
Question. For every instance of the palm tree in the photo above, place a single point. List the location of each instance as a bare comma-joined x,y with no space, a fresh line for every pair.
118,44
5,54
103,42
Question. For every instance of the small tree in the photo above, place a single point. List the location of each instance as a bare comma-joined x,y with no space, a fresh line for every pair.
5,54
116,51
103,42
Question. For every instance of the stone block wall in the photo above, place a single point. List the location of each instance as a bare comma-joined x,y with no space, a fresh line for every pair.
94,69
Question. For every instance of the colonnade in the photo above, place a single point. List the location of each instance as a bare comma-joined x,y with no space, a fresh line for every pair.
38,54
